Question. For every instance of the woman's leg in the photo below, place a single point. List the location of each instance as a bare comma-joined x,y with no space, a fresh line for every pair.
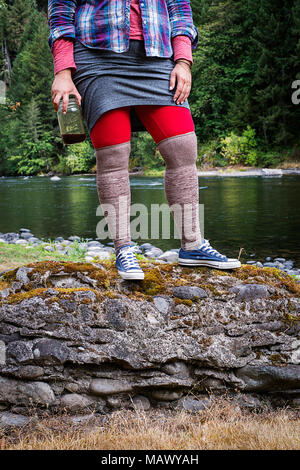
172,128
111,138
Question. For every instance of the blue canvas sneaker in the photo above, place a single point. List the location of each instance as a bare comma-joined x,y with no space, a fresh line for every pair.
205,255
127,264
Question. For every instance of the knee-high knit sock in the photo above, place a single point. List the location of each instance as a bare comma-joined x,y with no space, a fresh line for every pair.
113,188
181,186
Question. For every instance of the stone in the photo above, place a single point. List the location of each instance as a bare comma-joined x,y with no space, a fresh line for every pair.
12,420
153,252
21,274
75,402
146,246
89,343
109,386
26,235
25,393
98,254
169,256
11,237
34,240
94,244
161,304
141,403
193,405
177,368
115,313
19,351
166,395
21,242
30,372
189,292
51,351
247,292
258,378
49,248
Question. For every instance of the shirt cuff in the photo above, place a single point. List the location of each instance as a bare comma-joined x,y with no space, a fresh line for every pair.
63,55
182,48
63,31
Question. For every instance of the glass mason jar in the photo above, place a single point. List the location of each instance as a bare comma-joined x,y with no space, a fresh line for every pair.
71,124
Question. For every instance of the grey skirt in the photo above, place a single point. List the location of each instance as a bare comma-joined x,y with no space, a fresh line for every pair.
107,80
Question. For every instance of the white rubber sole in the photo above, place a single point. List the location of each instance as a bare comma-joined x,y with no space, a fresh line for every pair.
132,275
230,264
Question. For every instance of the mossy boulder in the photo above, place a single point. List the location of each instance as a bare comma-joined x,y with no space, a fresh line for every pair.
79,332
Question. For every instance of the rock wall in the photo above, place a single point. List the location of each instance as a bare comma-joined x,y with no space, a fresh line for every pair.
77,337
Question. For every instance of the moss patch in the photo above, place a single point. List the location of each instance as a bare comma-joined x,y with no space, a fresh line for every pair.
61,293
270,276
159,278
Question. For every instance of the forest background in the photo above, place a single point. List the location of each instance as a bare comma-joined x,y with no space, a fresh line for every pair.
245,97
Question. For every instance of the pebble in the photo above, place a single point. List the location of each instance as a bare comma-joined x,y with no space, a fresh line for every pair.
189,292
98,254
26,235
170,256
21,242
153,253
250,291
161,304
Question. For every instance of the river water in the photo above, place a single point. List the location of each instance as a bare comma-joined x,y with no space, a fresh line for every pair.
259,214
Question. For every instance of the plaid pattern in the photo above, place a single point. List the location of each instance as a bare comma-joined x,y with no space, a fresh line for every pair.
105,24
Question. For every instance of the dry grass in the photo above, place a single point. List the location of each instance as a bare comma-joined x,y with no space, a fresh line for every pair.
223,426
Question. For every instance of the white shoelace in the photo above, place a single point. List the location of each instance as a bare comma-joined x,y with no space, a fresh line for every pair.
127,257
207,248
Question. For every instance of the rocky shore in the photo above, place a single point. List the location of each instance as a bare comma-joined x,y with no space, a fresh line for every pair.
76,337
94,250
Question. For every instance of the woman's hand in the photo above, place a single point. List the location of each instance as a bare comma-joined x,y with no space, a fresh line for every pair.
182,74
62,87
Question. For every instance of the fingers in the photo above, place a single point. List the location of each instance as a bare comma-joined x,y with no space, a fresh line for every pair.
65,102
57,96
184,81
172,79
78,97
56,101
182,91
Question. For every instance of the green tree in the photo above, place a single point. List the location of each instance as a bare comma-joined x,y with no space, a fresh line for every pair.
18,16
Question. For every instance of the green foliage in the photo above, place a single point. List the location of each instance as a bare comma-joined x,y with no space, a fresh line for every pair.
209,154
240,149
246,60
146,153
80,157
32,157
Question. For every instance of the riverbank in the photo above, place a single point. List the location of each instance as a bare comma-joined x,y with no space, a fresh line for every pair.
232,171
23,247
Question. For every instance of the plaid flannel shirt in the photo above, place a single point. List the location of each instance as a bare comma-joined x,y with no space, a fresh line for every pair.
105,24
